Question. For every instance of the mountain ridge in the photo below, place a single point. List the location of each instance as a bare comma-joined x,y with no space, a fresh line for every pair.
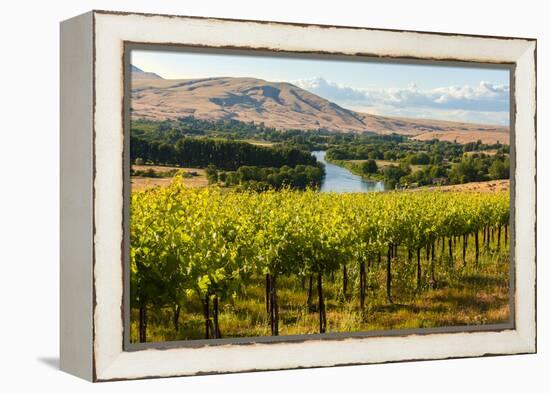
283,105
138,73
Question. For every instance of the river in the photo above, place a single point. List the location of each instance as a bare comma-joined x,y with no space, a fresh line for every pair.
339,179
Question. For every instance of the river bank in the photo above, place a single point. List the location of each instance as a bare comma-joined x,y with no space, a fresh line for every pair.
355,168
341,179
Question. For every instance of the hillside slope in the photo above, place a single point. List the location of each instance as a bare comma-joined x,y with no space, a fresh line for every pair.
283,106
138,73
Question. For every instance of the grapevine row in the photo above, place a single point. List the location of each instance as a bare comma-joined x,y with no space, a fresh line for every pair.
211,242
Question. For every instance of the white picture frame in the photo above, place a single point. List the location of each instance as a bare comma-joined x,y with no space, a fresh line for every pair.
93,193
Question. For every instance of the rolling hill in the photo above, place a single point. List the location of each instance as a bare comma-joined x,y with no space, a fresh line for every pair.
283,106
138,73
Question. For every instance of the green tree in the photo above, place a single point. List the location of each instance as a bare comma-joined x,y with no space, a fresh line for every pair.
211,174
499,169
369,166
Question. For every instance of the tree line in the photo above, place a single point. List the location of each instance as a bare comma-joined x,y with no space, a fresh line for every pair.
170,131
434,167
223,154
410,151
261,179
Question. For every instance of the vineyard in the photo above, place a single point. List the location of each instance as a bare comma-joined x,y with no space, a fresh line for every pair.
212,263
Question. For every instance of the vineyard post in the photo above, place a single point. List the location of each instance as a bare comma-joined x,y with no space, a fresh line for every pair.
388,276
464,247
143,323
216,333
362,282
451,260
370,265
418,270
176,318
427,251
276,300
345,280
322,315
274,306
477,245
432,267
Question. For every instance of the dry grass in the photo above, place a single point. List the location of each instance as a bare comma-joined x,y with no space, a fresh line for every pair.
491,152
482,186
139,183
466,136
259,143
381,164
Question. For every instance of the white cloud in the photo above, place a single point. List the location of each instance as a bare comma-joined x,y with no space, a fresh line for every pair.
485,102
481,117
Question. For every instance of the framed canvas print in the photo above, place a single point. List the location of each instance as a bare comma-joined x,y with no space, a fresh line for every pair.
246,195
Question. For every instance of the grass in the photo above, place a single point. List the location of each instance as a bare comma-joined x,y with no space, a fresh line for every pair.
467,294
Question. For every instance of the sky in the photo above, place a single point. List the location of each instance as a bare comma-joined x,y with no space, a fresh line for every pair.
476,95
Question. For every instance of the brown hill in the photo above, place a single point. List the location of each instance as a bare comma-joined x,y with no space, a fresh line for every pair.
138,73
283,106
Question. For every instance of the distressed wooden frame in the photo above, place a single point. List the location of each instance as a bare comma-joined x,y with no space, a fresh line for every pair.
93,194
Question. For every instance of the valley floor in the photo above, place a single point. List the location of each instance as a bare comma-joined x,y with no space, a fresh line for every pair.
139,183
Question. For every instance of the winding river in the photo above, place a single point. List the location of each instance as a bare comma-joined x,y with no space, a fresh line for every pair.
340,179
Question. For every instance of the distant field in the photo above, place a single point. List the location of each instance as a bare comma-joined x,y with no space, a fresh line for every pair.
259,143
466,136
163,168
139,183
482,186
384,163
486,152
